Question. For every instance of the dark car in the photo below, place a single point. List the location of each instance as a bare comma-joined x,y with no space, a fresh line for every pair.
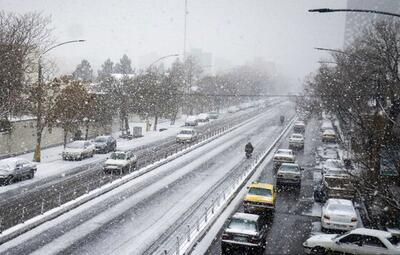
244,233
13,169
105,144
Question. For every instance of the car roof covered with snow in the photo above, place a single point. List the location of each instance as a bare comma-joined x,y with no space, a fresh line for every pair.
339,201
284,151
261,185
372,232
246,216
329,132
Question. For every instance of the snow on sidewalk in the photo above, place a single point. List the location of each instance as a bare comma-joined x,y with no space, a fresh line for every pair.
52,164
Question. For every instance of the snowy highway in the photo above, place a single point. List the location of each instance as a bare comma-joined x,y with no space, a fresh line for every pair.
133,217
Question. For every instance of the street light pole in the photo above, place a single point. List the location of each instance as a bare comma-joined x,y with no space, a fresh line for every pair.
39,94
326,10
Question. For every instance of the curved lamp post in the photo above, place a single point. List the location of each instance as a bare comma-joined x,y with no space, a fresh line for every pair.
39,128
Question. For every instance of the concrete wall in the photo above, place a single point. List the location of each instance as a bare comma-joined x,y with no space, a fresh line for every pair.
22,138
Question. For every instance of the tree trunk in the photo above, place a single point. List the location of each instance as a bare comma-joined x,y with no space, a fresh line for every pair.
155,122
173,119
87,130
37,154
65,137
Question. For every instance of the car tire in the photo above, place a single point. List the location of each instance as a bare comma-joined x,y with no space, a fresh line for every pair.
31,174
318,250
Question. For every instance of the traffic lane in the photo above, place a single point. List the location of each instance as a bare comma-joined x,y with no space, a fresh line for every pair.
173,202
60,229
291,224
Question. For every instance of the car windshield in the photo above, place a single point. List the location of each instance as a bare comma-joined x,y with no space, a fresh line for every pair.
242,225
337,182
76,145
260,192
338,207
285,152
394,240
117,156
186,132
297,136
4,166
100,140
289,168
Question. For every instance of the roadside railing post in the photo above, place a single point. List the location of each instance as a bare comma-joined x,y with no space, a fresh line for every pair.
59,198
42,207
177,245
188,226
23,215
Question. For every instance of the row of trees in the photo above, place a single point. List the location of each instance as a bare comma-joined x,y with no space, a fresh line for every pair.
362,88
65,102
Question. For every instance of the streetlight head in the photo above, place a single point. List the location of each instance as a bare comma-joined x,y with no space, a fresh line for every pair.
81,40
321,10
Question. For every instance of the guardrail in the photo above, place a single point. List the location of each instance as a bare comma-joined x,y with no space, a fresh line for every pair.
202,215
46,210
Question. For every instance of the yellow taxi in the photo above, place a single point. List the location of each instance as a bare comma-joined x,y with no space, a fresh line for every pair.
261,197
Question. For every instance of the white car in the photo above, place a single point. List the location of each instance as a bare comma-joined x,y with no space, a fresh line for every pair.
326,124
289,173
357,241
296,141
233,109
186,135
339,214
283,156
203,117
328,135
78,150
191,121
120,161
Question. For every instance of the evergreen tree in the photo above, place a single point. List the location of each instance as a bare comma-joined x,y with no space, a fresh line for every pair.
124,65
83,71
106,70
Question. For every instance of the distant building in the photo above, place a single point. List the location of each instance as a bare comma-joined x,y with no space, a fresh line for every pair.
356,22
204,58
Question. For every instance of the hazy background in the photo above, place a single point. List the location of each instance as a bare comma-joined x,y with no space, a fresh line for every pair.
234,31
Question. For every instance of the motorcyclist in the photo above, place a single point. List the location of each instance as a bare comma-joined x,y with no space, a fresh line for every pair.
249,148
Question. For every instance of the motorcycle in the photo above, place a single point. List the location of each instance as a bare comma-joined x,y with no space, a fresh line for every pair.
248,154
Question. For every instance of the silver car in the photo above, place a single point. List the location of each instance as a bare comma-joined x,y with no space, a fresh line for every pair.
289,173
13,169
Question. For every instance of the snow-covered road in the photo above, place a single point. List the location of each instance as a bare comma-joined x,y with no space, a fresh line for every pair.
130,218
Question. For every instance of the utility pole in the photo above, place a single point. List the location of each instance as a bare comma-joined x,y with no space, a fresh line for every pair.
184,33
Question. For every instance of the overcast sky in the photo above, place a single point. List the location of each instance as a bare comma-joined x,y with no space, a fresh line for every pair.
235,30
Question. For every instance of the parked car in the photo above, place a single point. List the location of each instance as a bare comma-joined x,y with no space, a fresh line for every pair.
233,109
186,135
78,150
357,241
213,115
260,198
13,169
191,121
289,173
203,117
120,161
244,233
339,214
335,186
299,127
105,144
326,124
328,135
283,156
296,141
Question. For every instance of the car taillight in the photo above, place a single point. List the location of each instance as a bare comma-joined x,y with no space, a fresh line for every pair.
353,219
280,175
327,217
225,236
254,239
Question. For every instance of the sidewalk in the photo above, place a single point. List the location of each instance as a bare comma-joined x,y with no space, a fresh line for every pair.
52,164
